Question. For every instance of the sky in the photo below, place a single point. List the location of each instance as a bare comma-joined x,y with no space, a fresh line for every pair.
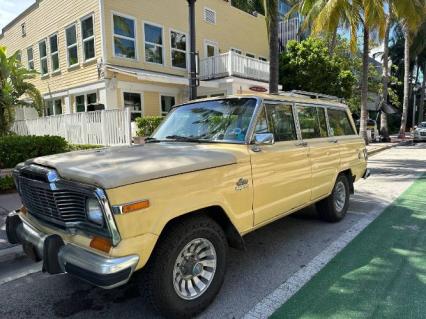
10,9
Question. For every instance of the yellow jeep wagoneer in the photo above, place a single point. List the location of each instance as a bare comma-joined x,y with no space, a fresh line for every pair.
215,170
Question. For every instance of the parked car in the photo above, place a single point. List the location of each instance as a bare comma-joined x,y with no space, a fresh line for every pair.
215,170
372,127
419,133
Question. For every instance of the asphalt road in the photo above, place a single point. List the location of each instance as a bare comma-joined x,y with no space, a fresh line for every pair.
273,254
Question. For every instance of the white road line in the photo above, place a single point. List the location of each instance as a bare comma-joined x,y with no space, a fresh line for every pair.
279,296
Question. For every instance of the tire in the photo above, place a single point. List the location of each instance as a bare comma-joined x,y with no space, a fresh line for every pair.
334,208
190,234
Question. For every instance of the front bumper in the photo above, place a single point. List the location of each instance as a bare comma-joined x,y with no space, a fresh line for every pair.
60,257
419,137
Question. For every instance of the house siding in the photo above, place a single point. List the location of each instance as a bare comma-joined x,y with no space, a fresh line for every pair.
47,18
233,29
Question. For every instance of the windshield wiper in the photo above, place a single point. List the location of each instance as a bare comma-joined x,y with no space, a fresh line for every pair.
178,138
152,140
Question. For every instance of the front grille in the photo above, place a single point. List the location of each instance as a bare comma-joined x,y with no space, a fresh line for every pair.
57,206
423,133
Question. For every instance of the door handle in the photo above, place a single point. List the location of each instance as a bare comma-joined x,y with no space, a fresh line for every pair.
302,144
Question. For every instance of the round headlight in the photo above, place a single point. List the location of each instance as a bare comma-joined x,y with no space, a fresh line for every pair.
94,212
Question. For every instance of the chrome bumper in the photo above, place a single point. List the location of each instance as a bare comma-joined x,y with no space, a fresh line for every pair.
101,271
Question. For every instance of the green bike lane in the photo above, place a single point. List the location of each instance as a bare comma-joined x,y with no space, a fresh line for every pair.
380,274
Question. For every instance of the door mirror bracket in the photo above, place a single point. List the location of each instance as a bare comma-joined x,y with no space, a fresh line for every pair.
264,139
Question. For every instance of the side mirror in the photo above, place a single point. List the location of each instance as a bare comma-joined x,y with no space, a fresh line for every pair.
264,139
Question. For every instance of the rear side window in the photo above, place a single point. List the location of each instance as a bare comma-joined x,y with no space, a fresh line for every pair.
312,121
339,123
281,121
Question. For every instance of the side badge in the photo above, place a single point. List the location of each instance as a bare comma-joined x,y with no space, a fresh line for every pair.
241,184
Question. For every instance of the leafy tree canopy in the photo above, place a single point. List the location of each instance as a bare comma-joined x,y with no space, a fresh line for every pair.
308,66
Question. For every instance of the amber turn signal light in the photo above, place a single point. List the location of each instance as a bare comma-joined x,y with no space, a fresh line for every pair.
100,243
135,206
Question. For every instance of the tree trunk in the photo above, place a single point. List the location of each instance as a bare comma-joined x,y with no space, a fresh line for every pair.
333,43
273,47
384,130
406,83
364,86
422,95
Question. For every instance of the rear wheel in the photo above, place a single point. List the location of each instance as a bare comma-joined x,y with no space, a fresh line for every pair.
188,267
334,207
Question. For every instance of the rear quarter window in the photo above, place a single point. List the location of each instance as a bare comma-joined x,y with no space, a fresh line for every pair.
339,123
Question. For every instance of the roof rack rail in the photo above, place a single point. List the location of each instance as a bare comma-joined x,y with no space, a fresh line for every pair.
314,95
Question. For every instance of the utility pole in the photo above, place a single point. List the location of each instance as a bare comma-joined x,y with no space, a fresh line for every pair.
193,54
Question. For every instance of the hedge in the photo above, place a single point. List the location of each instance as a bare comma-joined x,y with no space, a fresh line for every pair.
147,125
6,184
17,149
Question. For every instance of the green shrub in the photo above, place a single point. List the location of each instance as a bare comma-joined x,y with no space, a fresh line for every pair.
147,125
81,147
6,183
16,149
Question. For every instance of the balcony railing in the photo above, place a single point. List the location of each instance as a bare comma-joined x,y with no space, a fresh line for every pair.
233,64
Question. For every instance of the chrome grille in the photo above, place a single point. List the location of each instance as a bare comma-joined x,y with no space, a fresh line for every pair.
57,206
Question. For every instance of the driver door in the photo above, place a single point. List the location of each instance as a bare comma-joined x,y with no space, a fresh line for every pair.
282,171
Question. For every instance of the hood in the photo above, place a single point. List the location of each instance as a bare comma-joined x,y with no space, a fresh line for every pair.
123,165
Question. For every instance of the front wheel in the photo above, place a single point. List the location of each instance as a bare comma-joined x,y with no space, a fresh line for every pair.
188,267
334,207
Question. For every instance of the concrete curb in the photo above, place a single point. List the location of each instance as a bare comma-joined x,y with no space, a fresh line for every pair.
384,148
11,253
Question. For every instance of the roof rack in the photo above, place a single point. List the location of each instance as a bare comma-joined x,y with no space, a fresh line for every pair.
313,95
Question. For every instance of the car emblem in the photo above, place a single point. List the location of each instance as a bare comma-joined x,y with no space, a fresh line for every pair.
241,184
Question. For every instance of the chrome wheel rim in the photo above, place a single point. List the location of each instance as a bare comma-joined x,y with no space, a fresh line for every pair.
194,269
339,196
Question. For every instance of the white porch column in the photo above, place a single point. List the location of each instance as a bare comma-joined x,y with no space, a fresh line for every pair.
67,103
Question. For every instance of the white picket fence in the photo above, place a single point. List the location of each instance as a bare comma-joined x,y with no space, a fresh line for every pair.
109,127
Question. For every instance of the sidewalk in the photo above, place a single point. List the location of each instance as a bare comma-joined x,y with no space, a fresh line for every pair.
380,274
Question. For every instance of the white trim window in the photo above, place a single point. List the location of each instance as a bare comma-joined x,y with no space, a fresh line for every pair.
263,59
178,49
124,37
88,38
133,101
44,66
54,52
83,101
211,48
53,107
250,55
72,47
154,44
167,103
238,51
30,57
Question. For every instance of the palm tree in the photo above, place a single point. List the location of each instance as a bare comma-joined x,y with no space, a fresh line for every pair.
419,50
411,15
13,87
271,9
352,14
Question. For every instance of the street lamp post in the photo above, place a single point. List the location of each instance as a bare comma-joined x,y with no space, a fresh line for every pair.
193,48
415,89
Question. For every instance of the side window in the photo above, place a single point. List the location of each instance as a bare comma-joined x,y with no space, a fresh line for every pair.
312,121
339,123
281,120
262,124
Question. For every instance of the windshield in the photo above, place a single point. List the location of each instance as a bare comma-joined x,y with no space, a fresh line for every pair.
422,125
216,120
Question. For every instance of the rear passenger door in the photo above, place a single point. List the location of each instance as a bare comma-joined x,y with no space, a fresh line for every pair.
323,151
281,172
342,130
